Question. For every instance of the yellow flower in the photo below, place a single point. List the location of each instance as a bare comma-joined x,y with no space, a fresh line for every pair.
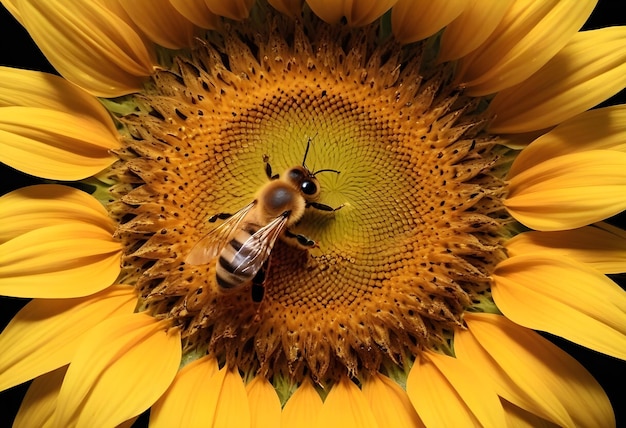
456,201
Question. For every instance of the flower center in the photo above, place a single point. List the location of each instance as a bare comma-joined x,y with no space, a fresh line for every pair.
391,271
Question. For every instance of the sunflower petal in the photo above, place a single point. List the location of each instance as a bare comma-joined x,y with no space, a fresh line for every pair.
330,11
356,12
346,407
185,403
601,246
390,403
60,324
532,373
11,6
588,70
479,19
100,387
569,191
302,408
26,88
233,9
228,401
527,37
598,129
517,417
54,144
447,392
34,207
37,408
197,12
291,8
161,22
363,12
89,45
413,20
556,294
59,261
264,403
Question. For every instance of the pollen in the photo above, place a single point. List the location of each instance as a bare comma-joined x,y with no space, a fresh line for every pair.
419,184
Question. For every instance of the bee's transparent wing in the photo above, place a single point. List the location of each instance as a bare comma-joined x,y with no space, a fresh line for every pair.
258,247
211,244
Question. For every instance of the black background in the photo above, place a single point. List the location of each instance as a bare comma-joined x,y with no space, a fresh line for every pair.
18,50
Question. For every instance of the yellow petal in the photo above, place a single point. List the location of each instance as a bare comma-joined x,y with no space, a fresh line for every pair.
197,12
54,144
264,403
228,401
89,45
346,407
186,401
37,408
532,373
561,296
302,408
34,207
569,191
601,246
330,11
161,22
233,9
363,12
356,12
291,8
472,27
45,333
413,20
11,6
25,88
528,36
598,129
588,70
67,260
119,370
390,403
448,392
517,417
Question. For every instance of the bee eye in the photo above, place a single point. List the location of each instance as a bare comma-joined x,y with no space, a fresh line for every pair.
308,187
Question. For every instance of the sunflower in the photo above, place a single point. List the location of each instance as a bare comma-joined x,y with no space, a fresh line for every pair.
287,213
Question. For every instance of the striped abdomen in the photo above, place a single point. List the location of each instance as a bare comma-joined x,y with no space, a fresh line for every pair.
235,266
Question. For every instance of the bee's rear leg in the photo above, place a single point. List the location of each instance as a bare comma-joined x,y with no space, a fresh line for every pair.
323,207
302,240
268,168
220,216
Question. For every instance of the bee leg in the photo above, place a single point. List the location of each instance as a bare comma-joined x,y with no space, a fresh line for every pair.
258,288
302,240
258,285
323,207
268,168
220,216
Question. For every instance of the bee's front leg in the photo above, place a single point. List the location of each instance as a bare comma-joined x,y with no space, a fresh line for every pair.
323,207
220,216
301,239
268,168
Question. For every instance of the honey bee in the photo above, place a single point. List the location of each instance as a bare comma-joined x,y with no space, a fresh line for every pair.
243,244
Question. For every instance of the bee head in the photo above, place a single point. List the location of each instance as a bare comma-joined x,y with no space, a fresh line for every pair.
305,181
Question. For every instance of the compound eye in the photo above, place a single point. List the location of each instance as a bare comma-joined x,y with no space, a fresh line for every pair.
308,187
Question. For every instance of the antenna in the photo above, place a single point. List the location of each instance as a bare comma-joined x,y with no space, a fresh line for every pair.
325,170
306,152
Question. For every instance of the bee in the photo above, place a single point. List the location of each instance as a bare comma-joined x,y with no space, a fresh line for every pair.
243,244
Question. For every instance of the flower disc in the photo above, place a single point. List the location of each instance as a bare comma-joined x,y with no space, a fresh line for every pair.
416,179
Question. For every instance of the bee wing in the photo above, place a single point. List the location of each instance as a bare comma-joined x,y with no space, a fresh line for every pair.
258,247
213,242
